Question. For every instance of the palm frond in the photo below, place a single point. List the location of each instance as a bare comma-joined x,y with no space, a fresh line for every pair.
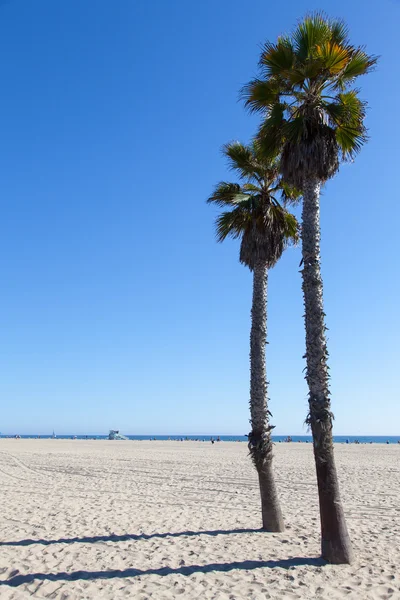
294,129
350,140
225,194
269,161
276,59
360,63
333,57
289,193
250,187
313,31
259,95
232,223
291,228
339,32
242,160
346,109
270,133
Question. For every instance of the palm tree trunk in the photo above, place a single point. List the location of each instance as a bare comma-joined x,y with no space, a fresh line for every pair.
335,541
260,443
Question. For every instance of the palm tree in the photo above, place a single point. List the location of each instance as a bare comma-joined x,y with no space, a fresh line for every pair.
314,115
265,228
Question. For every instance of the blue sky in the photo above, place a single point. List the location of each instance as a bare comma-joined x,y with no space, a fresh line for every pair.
117,307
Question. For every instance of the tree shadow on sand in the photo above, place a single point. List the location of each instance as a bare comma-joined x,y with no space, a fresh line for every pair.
247,565
127,537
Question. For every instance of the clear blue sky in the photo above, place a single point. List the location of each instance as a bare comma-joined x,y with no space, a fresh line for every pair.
117,307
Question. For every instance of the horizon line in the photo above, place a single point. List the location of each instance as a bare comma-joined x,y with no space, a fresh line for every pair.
208,434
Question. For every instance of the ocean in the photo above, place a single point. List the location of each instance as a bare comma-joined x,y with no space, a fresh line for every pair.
339,439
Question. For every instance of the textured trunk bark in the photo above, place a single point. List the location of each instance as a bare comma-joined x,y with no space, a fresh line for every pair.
335,541
270,508
260,443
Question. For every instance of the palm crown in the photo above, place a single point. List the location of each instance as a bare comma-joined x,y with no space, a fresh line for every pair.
304,92
255,213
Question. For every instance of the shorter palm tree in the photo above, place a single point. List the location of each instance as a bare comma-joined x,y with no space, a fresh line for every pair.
265,228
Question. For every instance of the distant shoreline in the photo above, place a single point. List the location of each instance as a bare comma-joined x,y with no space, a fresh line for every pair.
339,439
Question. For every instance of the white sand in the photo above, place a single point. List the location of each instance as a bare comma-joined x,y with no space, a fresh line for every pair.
99,519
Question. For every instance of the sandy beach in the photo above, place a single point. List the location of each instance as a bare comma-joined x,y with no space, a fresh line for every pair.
99,519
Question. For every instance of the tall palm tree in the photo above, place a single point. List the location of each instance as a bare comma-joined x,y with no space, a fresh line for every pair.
254,215
314,115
